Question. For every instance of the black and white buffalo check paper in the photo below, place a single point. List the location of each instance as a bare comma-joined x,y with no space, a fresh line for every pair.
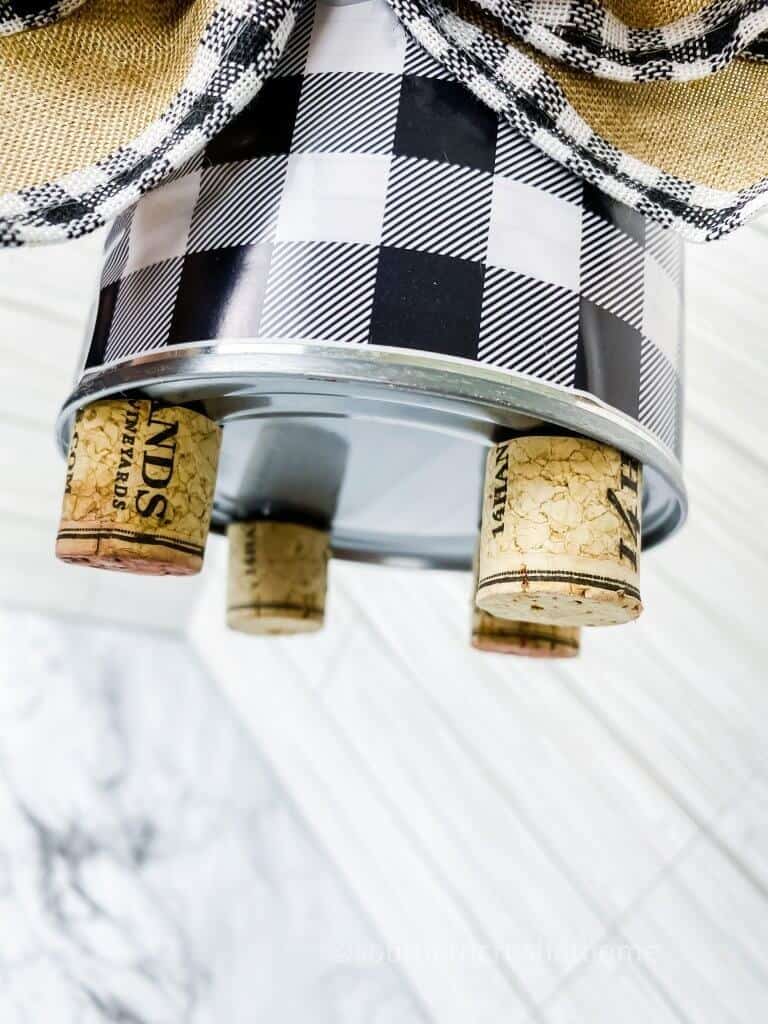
366,198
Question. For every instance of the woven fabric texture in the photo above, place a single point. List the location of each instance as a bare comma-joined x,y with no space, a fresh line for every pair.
525,88
103,105
19,15
588,37
652,13
91,83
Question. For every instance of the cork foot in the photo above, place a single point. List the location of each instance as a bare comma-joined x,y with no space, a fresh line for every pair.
106,553
258,620
560,534
525,639
277,578
139,491
553,604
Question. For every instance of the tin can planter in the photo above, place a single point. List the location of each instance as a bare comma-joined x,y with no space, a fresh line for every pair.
368,280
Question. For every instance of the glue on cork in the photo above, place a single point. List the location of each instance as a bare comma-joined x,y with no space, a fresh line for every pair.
139,490
277,577
560,535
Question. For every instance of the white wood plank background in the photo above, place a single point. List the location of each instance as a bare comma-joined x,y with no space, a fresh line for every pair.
598,826
564,843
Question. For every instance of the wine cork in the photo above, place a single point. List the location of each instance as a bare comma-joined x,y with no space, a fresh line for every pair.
560,535
529,639
139,490
277,577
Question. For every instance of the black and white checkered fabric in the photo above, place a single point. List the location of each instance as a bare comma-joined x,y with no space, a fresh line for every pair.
18,15
240,47
243,41
366,198
519,89
589,37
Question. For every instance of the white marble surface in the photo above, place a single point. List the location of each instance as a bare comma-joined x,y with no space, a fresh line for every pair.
152,871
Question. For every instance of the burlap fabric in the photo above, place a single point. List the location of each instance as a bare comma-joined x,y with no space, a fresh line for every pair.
660,103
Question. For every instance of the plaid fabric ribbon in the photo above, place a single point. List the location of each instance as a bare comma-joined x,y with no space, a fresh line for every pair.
244,39
240,47
588,37
18,15
520,90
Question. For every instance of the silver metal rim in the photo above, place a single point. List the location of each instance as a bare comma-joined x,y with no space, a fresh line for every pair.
499,396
